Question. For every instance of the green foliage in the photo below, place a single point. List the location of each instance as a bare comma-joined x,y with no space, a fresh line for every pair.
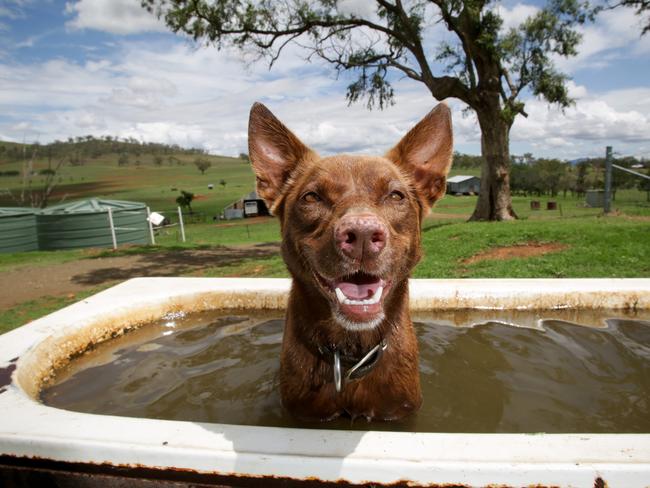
465,161
123,160
202,165
78,150
542,176
393,40
185,200
479,62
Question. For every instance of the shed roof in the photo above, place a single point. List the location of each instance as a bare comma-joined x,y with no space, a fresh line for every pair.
460,178
92,205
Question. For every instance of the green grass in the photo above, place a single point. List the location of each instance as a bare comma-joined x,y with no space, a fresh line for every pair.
236,233
595,247
272,267
103,178
12,261
631,202
34,309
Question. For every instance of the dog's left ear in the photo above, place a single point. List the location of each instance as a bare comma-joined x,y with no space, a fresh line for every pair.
426,151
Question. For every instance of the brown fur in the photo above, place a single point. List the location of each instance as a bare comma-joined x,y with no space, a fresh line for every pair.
287,170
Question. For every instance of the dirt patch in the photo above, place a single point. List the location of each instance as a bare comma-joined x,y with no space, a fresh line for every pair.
32,282
526,250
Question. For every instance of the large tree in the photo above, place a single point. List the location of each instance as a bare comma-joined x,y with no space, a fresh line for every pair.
481,63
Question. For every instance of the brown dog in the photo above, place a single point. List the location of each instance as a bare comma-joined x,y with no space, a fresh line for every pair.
350,237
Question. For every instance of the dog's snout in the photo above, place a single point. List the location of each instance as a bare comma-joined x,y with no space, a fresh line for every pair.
361,234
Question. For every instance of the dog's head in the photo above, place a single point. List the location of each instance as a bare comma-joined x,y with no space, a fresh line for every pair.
351,224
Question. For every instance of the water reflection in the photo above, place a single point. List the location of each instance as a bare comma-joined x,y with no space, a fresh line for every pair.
548,375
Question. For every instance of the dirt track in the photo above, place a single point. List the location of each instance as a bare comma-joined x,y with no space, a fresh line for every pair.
29,283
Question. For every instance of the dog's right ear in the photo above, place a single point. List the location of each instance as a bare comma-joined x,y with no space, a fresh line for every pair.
425,153
274,152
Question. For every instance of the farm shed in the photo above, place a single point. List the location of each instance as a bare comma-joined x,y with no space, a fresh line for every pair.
595,198
250,205
463,185
85,223
18,229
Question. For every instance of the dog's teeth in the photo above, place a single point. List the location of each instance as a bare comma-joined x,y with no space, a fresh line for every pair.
368,301
377,296
339,294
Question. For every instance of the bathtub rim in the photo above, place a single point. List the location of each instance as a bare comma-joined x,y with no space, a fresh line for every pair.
475,459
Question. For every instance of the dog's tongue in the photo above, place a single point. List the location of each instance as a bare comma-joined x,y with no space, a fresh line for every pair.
359,291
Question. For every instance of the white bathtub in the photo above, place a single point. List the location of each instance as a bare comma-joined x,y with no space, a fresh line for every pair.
35,438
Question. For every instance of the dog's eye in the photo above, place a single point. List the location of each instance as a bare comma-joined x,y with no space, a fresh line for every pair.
396,196
311,197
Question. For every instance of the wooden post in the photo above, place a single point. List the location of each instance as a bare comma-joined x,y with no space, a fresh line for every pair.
153,240
110,221
180,221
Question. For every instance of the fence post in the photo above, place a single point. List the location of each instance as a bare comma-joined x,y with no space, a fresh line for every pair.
153,240
180,221
110,222
608,179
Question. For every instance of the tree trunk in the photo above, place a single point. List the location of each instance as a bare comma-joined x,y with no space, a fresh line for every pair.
494,201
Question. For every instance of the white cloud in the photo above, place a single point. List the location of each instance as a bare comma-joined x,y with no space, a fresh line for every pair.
174,93
595,121
359,8
114,16
616,34
513,17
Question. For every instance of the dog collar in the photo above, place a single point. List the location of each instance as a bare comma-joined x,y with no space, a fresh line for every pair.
357,369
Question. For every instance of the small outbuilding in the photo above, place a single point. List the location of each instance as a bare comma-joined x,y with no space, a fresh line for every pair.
464,185
86,223
18,229
595,198
250,205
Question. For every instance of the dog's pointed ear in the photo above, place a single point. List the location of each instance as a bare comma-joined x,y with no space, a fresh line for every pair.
274,152
426,152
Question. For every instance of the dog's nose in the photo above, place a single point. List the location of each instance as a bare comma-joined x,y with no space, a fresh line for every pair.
360,234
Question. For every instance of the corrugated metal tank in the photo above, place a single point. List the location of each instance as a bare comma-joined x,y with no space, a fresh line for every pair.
18,229
85,223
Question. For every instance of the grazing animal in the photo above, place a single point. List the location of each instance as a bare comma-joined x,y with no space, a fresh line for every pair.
350,237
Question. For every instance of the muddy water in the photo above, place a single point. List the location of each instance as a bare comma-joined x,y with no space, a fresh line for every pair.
479,373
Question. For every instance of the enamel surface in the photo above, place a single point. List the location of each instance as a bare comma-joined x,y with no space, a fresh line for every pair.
33,430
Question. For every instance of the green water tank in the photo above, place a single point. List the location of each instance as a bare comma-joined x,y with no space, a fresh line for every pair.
85,223
18,229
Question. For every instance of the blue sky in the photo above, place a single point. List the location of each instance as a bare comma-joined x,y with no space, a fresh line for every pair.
106,67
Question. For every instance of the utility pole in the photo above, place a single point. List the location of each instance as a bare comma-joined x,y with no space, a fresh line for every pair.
608,179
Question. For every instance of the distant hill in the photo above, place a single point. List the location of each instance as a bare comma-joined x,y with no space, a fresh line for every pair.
110,168
80,150
575,162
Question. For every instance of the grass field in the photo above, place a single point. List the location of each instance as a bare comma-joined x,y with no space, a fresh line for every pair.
581,241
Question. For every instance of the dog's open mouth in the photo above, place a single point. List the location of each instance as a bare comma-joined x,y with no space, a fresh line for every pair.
359,296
